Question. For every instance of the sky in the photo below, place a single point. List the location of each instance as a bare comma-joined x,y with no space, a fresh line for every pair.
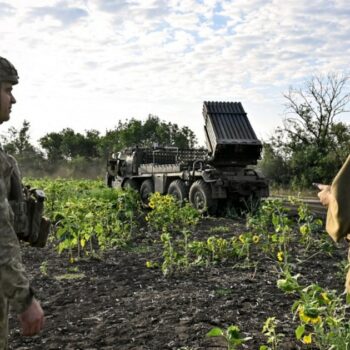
86,64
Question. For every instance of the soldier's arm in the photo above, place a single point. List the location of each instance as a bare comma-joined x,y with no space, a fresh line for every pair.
14,283
338,214
325,194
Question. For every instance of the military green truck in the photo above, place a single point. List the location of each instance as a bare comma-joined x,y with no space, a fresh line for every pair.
209,178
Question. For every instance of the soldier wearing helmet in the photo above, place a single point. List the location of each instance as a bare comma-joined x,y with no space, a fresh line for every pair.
15,288
8,78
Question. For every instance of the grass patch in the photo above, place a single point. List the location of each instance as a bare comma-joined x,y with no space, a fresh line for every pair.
222,292
139,248
70,276
220,229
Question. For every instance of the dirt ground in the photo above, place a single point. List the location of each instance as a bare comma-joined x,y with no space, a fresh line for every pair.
119,303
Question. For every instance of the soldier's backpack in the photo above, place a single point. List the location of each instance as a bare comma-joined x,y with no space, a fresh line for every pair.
28,207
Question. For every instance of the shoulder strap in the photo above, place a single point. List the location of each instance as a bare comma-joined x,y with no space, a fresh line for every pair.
17,200
5,165
16,192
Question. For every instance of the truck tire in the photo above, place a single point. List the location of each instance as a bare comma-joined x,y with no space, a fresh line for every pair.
201,198
131,183
177,188
146,189
109,180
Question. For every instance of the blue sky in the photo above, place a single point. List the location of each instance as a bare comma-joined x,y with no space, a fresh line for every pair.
86,64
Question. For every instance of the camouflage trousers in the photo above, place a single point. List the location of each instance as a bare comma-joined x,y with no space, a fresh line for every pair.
4,309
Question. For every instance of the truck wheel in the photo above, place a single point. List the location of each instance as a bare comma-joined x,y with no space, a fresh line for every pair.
131,183
146,189
201,198
109,180
178,189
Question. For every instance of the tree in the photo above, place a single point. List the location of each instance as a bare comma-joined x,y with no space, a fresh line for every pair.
314,109
312,140
145,134
67,144
17,143
51,143
273,166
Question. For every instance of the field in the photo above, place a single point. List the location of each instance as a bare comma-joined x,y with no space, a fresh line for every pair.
114,276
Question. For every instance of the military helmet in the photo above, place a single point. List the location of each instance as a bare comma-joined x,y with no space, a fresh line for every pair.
8,72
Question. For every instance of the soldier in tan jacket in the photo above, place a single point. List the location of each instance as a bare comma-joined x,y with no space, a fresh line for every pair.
15,288
337,198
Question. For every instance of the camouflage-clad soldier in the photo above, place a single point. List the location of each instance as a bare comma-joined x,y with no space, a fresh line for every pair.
15,288
337,198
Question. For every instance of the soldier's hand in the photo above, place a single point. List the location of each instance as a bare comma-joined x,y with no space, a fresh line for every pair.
325,194
32,319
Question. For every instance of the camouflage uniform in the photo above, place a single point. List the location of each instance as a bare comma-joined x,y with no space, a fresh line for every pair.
14,285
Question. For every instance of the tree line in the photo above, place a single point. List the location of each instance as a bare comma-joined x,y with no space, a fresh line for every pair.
70,153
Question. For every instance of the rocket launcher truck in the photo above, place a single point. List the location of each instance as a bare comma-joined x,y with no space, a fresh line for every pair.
209,179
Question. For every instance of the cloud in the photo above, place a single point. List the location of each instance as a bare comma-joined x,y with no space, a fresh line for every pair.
6,9
156,9
67,16
114,6
153,56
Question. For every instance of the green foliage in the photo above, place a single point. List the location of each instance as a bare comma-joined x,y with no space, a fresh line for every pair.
220,229
168,216
174,223
273,338
312,144
43,268
69,153
232,336
17,143
88,216
322,316
307,223
272,224
135,132
274,165
288,283
217,249
68,144
261,221
321,313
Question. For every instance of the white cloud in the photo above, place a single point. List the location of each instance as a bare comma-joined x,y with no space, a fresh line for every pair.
6,10
84,64
61,13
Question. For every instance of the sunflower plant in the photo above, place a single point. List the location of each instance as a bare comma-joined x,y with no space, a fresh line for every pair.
174,222
231,334
322,318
